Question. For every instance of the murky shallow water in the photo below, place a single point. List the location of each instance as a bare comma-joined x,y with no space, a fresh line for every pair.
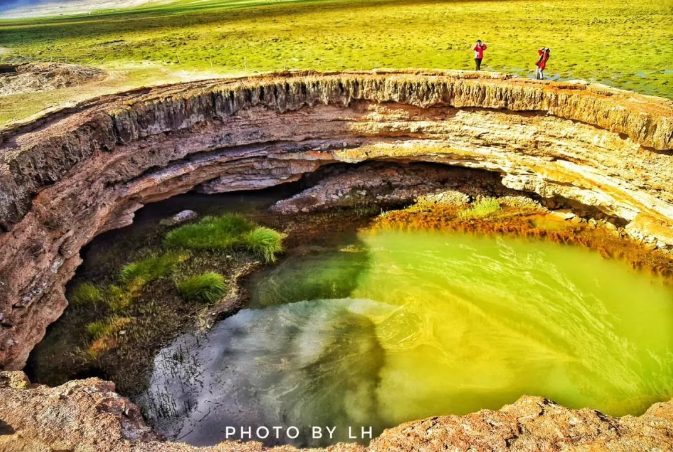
401,326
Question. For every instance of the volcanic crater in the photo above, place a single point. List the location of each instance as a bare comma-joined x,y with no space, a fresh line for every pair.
73,174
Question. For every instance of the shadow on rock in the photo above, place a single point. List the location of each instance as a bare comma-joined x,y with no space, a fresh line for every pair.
5,428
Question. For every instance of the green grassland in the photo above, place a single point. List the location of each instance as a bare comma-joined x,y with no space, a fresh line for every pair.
624,44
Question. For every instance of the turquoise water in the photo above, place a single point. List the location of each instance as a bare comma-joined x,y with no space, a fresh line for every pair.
406,325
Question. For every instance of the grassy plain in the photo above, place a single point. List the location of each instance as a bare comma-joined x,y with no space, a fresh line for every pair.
624,44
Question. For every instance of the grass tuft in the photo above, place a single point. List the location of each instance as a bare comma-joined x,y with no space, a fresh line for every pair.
210,233
264,242
226,233
119,298
86,294
481,209
107,327
208,287
104,335
97,329
150,269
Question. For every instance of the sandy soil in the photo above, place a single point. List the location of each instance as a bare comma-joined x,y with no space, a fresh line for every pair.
29,104
37,77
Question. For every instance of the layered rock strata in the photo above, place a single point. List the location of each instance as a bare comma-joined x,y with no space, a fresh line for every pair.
73,174
388,185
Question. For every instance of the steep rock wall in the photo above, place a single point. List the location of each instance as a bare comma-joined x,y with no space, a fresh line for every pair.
71,175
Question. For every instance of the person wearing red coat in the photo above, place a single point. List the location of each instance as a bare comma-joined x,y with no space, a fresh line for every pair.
542,62
479,53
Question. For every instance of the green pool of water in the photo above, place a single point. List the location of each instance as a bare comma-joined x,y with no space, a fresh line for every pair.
401,326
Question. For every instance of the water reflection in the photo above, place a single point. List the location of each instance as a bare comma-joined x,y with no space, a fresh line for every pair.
304,364
416,325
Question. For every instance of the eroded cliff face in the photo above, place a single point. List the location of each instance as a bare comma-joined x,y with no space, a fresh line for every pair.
73,174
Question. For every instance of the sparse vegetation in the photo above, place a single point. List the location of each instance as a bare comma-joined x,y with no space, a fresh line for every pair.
107,327
150,268
226,233
158,310
172,277
96,329
264,242
105,335
86,294
99,347
119,298
210,233
208,287
448,212
480,209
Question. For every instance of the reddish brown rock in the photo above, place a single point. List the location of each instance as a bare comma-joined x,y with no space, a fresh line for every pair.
88,415
535,424
385,184
78,415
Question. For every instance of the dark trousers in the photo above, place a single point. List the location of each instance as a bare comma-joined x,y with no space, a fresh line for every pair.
478,61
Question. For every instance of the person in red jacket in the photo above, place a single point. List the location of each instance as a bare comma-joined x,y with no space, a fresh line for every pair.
542,62
479,53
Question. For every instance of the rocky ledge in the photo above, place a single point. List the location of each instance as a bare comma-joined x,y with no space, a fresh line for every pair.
384,184
87,415
72,174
